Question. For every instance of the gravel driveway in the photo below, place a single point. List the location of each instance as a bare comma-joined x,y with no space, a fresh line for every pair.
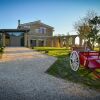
23,77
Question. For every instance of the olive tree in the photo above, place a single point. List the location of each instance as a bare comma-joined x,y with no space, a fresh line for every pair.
88,28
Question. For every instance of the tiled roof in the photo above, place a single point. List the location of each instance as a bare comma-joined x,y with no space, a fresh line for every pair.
36,22
14,30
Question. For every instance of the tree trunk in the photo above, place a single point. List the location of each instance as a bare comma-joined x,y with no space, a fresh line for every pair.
89,45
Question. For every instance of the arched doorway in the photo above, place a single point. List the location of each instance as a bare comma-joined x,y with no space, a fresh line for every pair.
14,39
77,40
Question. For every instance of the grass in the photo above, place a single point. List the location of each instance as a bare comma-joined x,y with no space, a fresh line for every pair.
49,48
61,68
96,49
52,51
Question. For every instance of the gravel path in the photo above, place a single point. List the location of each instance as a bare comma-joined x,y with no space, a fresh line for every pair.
23,77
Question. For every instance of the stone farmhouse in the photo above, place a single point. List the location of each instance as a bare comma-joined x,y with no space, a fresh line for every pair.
34,34
38,33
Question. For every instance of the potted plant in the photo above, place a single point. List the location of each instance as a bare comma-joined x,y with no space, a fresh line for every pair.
1,51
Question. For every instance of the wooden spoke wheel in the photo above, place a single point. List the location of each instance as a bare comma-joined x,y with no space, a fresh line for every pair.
74,61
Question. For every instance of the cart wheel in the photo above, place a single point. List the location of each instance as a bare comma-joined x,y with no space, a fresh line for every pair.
74,61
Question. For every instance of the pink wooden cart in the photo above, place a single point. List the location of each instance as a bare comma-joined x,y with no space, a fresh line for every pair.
88,59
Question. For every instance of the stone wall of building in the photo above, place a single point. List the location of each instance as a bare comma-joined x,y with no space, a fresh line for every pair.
40,34
36,38
63,41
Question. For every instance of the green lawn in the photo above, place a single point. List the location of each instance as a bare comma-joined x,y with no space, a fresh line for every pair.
97,49
61,68
52,51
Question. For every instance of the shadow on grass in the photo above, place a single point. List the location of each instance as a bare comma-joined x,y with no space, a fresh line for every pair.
61,69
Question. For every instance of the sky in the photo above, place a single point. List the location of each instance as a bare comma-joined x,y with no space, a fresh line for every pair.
60,14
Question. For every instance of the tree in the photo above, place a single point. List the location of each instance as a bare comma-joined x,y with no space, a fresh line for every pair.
0,39
98,40
95,23
88,28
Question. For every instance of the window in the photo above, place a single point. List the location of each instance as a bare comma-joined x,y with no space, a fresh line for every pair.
37,30
15,33
27,27
41,30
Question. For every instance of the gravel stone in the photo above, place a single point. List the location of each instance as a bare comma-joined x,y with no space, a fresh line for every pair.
23,77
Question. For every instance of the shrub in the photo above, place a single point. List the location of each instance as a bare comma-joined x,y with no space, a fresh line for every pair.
1,48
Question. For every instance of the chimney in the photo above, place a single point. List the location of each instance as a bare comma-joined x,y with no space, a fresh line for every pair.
18,22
